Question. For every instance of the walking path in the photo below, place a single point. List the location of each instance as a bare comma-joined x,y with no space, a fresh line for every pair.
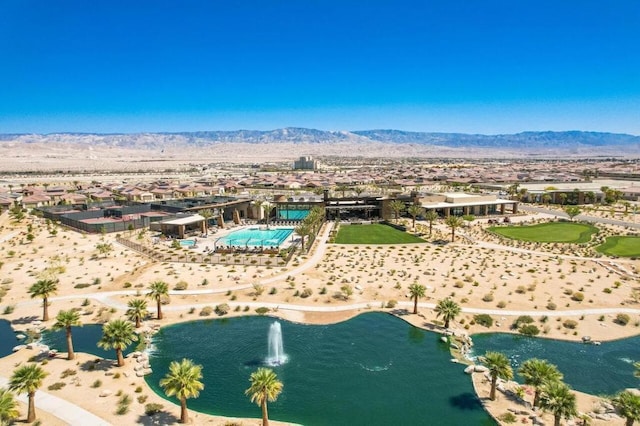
64,410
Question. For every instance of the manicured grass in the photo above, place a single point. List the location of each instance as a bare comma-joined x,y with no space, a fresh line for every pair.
620,246
555,232
374,234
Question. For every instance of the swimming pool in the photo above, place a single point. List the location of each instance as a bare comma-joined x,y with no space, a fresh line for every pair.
292,214
187,243
256,237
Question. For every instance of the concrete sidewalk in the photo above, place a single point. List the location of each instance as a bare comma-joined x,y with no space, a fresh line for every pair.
60,408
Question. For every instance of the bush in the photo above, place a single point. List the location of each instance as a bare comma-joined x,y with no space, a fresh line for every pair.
502,304
529,330
56,386
571,324
392,304
552,306
507,417
81,285
96,384
262,310
181,285
577,296
206,311
521,320
306,293
483,319
222,309
152,408
622,319
488,297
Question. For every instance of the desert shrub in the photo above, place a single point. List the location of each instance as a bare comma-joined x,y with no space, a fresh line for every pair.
138,389
96,384
552,306
521,289
262,310
9,309
483,319
521,320
222,309
206,311
622,319
142,399
181,285
529,330
81,285
578,296
273,290
502,304
458,284
392,303
153,408
306,293
571,324
607,290
56,386
68,372
507,417
488,297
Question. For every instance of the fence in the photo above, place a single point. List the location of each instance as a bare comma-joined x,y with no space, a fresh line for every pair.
213,259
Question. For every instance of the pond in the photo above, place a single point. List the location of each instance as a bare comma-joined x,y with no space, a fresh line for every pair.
374,369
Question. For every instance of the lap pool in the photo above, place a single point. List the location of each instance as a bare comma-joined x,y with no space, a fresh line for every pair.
256,237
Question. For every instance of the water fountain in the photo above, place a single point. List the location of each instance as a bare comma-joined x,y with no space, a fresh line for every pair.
275,355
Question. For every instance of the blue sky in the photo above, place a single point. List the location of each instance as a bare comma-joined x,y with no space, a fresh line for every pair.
490,66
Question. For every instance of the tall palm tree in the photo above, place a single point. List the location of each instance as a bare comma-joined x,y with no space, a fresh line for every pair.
44,288
158,290
265,386
499,366
27,379
303,229
183,382
117,334
397,207
431,216
206,214
628,405
449,310
557,398
414,211
8,407
65,320
453,222
416,291
537,372
137,311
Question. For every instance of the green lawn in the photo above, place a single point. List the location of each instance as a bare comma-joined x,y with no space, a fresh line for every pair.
374,234
620,246
555,232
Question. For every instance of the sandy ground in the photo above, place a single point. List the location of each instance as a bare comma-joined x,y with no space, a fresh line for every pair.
478,271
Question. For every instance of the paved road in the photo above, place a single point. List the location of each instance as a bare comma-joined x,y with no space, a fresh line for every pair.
64,410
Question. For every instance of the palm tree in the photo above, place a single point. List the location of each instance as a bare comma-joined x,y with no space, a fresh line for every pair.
342,188
537,372
449,310
183,382
303,229
415,210
546,198
117,334
158,290
416,291
396,207
8,410
206,214
557,398
27,379
44,288
65,320
137,311
453,222
628,405
499,366
431,216
264,387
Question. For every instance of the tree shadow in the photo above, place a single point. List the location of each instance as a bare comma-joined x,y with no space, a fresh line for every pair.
98,364
158,419
400,312
26,320
466,401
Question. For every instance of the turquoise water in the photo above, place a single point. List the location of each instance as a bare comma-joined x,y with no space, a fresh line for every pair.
256,237
85,339
604,369
187,243
7,338
374,369
292,214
